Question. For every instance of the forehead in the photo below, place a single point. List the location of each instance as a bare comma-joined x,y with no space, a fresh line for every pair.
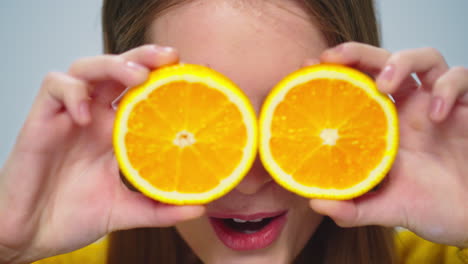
253,42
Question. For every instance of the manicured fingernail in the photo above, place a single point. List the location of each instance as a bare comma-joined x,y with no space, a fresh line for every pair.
338,48
387,73
135,66
164,49
437,107
385,78
334,51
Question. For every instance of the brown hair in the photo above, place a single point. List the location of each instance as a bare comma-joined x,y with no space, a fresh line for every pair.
124,27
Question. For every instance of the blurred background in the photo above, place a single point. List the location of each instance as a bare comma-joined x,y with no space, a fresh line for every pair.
48,35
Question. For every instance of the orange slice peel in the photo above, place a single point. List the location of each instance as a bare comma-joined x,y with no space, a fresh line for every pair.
327,132
188,135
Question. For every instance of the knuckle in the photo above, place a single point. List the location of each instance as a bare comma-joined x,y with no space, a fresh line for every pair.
442,84
114,60
114,63
350,47
57,81
459,71
81,65
353,46
454,78
139,52
445,85
148,47
76,66
52,78
433,52
398,57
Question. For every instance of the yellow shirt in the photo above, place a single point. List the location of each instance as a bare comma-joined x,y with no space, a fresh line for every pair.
411,250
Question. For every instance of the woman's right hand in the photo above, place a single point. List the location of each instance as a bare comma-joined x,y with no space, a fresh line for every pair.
60,188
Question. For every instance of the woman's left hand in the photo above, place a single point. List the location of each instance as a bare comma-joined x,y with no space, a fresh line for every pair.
426,190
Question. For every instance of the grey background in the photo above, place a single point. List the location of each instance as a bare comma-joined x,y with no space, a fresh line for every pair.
41,36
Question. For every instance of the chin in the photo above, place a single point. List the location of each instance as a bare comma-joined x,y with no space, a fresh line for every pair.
259,236
255,257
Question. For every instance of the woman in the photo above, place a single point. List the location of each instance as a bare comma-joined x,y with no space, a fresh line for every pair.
62,191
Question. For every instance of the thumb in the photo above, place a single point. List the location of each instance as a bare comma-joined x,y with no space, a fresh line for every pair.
370,209
134,210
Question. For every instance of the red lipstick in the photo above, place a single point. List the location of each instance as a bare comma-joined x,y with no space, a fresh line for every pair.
248,232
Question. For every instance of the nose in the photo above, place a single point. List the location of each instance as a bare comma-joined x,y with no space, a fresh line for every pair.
256,178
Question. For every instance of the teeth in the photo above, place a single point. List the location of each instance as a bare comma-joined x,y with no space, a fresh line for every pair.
239,220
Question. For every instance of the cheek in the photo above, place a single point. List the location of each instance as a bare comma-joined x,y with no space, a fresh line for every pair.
309,224
191,231
199,236
304,223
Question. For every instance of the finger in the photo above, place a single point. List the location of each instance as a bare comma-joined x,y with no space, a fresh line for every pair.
373,208
130,68
428,63
361,56
152,56
59,91
354,213
109,68
134,210
119,71
450,87
310,62
368,59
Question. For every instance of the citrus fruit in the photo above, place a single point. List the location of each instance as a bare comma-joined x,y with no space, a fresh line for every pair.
187,135
327,132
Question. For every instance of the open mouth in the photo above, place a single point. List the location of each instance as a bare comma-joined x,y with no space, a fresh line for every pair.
247,232
245,226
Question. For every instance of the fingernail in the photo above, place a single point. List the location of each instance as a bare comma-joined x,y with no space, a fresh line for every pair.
387,73
385,78
437,107
337,48
135,66
164,49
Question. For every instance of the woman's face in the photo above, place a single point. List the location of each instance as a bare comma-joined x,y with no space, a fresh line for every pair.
255,43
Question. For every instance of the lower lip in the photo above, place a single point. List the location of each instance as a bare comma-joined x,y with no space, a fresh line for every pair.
242,242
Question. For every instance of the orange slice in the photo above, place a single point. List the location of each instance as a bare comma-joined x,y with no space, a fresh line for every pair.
327,132
187,135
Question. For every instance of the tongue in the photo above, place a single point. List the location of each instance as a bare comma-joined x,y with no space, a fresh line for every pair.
247,227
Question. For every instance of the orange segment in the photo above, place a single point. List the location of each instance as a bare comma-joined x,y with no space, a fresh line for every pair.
327,132
186,136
